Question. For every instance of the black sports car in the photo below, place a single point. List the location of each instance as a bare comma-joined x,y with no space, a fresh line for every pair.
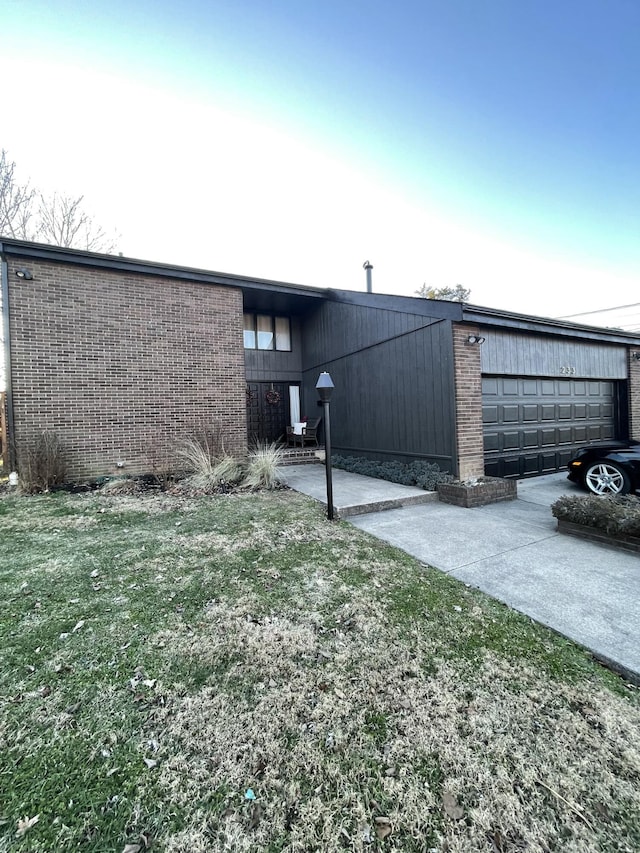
607,469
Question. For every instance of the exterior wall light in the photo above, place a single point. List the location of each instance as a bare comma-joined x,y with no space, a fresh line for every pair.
635,356
476,339
25,274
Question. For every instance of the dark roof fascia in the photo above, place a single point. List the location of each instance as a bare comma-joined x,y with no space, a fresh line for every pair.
56,254
547,326
440,309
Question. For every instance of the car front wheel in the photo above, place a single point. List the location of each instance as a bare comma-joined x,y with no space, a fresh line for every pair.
607,478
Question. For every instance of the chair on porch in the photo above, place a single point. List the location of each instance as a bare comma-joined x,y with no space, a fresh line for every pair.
308,435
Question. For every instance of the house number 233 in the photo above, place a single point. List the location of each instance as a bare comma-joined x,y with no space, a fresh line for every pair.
567,371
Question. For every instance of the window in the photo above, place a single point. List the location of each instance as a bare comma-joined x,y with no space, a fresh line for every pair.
262,331
249,331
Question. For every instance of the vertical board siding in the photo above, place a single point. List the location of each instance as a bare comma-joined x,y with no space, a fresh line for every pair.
393,374
533,355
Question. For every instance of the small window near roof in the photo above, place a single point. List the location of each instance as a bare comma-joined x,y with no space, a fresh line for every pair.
265,331
283,333
262,331
249,331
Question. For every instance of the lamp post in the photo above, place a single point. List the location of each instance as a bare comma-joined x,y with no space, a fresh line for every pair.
324,387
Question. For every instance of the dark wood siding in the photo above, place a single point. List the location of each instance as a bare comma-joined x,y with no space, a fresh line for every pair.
524,354
393,374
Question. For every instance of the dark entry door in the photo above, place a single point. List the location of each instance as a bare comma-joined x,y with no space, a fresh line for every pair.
267,411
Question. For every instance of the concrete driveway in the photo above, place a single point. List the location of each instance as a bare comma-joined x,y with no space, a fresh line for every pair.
512,551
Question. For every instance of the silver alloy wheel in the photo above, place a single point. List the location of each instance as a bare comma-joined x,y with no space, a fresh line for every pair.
603,478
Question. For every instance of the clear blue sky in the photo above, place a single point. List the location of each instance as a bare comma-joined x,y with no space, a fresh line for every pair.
512,125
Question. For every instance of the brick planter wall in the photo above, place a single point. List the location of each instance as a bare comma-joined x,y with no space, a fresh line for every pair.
489,490
120,365
593,534
468,390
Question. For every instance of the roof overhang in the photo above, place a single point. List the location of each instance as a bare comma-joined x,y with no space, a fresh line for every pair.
545,326
259,294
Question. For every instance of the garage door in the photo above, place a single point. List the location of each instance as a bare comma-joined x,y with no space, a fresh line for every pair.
533,426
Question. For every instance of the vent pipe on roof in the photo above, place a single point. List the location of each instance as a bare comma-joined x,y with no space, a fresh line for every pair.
368,267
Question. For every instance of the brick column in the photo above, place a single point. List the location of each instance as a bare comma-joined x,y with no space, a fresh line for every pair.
634,395
468,385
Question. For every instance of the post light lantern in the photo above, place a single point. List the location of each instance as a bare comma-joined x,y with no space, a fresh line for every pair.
324,387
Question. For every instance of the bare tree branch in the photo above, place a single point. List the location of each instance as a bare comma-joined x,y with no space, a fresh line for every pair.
16,203
26,214
62,221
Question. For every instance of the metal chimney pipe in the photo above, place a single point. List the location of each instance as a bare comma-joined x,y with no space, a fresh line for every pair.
368,267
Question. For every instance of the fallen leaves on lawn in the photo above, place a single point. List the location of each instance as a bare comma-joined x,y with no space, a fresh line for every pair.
383,827
451,807
25,824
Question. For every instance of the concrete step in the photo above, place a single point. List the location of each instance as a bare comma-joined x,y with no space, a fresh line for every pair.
354,494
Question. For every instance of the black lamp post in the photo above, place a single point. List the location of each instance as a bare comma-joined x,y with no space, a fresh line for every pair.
324,387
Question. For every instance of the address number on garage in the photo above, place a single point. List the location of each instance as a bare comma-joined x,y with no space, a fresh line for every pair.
566,370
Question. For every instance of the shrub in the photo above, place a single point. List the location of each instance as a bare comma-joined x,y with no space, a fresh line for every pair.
262,467
161,458
425,475
42,463
615,514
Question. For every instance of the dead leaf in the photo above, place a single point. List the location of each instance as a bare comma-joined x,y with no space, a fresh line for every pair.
132,848
150,762
77,626
452,807
45,691
383,827
25,824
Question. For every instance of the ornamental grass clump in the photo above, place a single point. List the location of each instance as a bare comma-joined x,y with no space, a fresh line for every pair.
262,467
617,515
208,466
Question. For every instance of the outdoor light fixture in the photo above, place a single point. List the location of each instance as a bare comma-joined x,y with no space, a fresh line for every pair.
324,387
476,339
635,355
25,274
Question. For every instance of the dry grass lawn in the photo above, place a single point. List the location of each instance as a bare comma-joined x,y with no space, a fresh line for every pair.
238,674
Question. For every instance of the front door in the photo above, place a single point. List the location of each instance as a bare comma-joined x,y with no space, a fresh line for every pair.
267,411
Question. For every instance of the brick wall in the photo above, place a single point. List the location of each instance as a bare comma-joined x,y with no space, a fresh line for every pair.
468,385
634,395
120,365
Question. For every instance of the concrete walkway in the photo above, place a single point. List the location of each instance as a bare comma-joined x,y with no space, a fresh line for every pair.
512,551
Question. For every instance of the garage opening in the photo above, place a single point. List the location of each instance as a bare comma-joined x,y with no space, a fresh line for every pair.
534,425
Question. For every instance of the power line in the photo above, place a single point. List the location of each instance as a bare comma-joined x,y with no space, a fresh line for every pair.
601,311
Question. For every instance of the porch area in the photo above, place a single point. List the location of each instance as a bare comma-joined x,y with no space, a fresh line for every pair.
302,455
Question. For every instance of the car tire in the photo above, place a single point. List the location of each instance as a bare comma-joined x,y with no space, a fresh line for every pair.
607,478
